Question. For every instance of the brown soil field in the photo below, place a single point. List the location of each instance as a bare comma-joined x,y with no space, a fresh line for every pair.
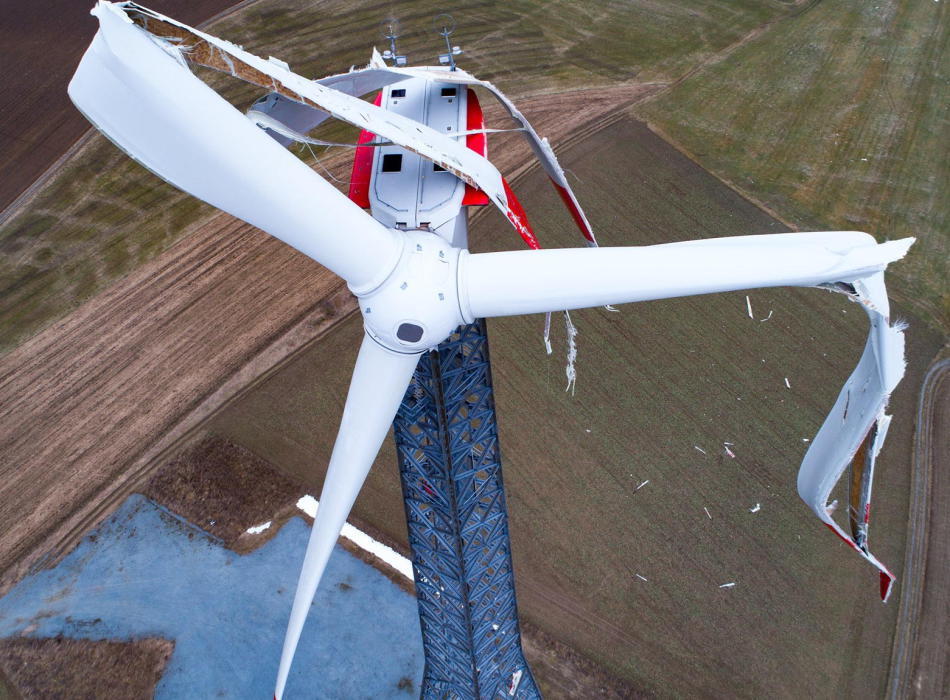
224,489
42,43
59,668
655,381
87,403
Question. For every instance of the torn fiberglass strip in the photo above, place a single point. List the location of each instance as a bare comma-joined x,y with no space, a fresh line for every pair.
269,123
212,52
378,75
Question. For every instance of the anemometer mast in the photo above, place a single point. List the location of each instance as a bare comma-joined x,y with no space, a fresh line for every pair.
391,33
446,25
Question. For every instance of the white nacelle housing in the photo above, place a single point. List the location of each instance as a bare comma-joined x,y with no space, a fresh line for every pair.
408,191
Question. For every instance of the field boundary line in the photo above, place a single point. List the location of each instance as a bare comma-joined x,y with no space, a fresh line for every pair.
711,60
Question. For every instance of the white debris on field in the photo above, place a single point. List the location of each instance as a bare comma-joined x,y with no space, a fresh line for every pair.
756,509
731,584
708,515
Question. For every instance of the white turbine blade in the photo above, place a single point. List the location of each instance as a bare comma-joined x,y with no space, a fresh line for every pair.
535,281
377,388
144,98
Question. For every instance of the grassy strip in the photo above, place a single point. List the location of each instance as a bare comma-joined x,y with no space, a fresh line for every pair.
836,118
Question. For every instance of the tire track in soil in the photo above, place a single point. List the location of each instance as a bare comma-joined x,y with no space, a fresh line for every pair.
924,586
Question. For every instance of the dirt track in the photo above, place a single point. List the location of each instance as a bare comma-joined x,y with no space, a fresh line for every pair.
919,659
87,405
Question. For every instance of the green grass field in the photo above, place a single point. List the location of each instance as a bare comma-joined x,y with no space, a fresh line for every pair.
836,118
654,381
102,215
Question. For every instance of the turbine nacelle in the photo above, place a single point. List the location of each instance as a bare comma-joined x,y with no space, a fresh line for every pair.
417,305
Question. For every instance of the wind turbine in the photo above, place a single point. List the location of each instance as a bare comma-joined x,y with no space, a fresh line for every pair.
415,280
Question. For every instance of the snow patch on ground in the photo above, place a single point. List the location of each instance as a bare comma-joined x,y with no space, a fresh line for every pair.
309,505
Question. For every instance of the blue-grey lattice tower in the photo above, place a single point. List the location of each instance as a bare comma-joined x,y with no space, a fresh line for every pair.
450,464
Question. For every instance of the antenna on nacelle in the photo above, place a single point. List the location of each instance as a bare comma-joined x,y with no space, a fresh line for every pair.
390,29
445,25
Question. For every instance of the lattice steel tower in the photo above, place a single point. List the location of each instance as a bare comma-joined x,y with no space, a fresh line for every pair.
450,465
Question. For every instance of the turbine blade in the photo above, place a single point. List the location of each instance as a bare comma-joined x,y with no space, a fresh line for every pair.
536,281
378,385
144,98
853,432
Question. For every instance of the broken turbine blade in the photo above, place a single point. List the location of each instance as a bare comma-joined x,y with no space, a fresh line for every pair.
378,385
504,284
857,425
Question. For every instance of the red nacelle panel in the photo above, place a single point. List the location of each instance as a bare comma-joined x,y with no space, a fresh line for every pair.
363,165
478,143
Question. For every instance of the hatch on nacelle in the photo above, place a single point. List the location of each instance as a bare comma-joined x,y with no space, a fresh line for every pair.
405,190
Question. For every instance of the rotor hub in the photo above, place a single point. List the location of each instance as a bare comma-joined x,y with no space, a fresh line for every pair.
417,306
